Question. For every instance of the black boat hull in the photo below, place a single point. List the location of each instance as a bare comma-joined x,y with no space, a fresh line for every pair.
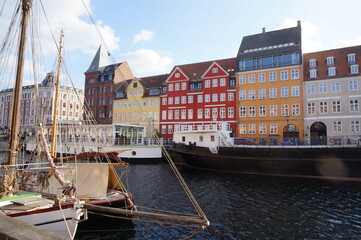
341,163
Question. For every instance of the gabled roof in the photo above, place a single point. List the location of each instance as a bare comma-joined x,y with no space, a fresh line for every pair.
195,71
100,60
270,43
122,86
153,81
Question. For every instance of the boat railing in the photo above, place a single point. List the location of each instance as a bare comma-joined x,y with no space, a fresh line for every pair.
320,141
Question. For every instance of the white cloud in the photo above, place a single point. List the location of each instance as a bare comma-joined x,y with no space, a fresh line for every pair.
309,33
144,35
147,62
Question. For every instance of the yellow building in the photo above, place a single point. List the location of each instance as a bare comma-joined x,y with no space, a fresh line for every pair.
137,102
269,87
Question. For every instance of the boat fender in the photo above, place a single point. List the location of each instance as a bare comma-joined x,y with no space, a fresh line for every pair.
134,153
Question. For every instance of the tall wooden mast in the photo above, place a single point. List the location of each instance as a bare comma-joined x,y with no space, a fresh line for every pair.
56,100
17,93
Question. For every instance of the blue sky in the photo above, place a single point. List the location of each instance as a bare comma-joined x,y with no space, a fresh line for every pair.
153,36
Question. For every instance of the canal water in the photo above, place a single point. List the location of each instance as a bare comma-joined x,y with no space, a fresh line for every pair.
241,206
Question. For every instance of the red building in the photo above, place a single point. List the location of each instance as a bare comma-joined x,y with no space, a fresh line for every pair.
100,79
199,93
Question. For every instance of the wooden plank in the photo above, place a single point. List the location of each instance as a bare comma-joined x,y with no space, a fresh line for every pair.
14,229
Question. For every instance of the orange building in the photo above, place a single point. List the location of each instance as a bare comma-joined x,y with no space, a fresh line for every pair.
269,87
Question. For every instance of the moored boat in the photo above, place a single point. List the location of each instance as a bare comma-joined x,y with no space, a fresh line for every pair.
210,147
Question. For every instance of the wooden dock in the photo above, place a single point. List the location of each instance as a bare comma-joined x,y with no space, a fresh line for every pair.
14,229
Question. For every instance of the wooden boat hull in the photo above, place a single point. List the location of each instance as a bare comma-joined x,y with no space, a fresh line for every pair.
313,162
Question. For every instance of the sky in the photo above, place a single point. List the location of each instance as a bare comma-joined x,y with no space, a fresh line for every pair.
155,35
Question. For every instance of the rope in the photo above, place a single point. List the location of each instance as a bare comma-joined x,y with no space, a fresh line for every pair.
66,222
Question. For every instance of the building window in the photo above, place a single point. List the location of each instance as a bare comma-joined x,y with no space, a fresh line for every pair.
215,113
170,87
184,86
337,126
312,63
242,111
207,98
251,94
354,69
295,91
262,128
310,89
164,115
262,111
331,71
351,58
313,73
272,76
215,83
177,87
284,75
190,99
262,93
176,114
164,129
200,113
222,113
222,97
322,88
215,97
207,113
183,114
273,111
207,84
177,75
284,92
242,79
353,85
190,113
295,109
273,92
294,74
170,100
222,82
230,112
335,87
336,106
230,96
242,95
176,100
330,61
170,114
214,70
251,128
273,128
285,110
170,129
252,111
311,108
323,107
200,98
261,77
354,105
242,129
251,78
355,126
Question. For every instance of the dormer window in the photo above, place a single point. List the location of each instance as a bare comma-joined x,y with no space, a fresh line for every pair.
135,85
312,63
351,58
330,61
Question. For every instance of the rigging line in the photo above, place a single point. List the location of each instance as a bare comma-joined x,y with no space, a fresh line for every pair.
100,35
47,21
2,8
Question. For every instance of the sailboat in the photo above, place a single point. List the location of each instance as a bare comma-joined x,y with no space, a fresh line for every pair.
57,213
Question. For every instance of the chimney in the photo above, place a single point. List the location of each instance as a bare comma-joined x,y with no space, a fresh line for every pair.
263,30
298,23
